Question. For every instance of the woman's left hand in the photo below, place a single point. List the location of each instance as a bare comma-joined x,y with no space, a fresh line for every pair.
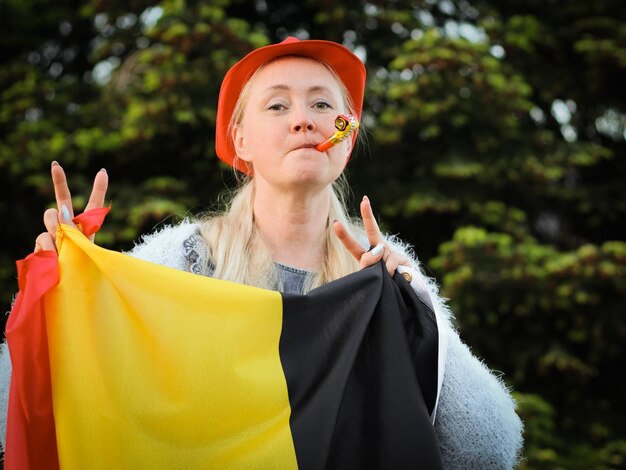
381,249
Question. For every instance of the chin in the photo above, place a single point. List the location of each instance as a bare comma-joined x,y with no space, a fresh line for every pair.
310,177
304,174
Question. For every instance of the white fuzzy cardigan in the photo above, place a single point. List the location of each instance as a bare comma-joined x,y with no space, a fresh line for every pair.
475,422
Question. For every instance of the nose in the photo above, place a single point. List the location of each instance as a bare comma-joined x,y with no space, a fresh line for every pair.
302,122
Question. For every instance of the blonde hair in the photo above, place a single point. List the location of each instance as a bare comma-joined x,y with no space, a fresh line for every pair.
236,248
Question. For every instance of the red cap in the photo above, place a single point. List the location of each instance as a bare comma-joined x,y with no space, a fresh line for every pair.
349,67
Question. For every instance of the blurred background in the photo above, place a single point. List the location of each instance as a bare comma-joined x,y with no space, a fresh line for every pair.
496,138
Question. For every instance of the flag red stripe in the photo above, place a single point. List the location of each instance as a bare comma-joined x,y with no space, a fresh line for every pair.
30,437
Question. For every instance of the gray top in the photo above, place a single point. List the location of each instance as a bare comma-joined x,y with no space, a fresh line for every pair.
292,279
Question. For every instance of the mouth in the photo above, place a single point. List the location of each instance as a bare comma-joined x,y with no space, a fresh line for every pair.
305,146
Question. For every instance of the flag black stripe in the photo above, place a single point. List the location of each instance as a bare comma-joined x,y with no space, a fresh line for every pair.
360,360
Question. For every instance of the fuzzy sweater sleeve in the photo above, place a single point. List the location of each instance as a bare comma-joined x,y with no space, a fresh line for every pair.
167,246
474,418
475,421
5,382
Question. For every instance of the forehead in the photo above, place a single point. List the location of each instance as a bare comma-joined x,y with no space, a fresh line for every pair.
295,73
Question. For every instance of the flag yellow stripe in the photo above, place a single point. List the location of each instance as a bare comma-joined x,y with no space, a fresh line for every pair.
158,368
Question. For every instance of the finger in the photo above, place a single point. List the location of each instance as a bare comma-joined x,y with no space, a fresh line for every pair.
393,261
51,220
99,190
44,242
353,246
369,222
61,190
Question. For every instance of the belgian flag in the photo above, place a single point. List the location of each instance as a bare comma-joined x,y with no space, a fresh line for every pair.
122,364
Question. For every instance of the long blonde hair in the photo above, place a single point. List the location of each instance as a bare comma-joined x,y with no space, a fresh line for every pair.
237,250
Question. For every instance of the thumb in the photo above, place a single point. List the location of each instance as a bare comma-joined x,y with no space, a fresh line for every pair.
373,256
64,216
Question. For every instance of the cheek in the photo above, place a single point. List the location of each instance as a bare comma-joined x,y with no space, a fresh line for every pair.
260,137
340,153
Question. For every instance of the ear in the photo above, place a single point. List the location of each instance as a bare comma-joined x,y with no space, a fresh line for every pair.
239,142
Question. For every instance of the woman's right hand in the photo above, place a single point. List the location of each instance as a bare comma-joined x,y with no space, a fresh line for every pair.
65,212
380,250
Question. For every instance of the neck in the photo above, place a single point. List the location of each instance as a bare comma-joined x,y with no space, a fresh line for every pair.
293,224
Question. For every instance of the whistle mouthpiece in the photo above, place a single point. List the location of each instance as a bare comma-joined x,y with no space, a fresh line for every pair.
345,124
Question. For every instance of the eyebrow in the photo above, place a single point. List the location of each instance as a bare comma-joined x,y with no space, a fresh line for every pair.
311,89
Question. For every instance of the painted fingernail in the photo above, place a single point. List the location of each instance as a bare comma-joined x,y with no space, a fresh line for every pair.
54,163
378,249
65,213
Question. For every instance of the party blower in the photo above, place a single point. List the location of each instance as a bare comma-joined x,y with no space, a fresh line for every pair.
345,124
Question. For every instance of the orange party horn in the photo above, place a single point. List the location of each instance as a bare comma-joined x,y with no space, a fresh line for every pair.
345,125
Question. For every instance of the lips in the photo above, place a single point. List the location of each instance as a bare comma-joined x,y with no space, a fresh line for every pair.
305,146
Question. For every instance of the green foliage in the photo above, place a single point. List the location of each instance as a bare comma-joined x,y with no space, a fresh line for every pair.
496,142
562,316
545,449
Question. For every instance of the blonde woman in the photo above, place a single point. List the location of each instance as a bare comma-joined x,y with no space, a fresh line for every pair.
287,228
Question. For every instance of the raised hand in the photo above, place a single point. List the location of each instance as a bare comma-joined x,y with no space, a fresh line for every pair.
65,212
381,249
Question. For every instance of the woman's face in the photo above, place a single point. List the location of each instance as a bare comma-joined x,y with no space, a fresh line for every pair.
291,106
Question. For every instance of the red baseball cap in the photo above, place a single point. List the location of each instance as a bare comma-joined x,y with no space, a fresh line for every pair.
348,67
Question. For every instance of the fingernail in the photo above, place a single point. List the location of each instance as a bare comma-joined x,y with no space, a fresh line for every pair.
378,249
65,213
335,221
103,170
366,199
54,163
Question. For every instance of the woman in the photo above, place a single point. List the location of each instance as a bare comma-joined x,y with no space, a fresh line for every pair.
287,228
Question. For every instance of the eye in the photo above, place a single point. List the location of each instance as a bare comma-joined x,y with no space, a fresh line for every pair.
276,107
321,104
